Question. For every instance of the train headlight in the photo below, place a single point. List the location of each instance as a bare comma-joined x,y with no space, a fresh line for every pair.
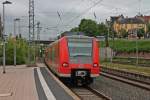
65,64
95,65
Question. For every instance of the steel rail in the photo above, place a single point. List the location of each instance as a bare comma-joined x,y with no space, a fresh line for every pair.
90,93
100,94
127,77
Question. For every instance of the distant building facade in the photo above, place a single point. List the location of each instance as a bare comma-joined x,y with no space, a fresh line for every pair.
129,25
145,18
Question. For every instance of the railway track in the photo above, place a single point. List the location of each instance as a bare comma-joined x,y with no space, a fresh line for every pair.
135,79
87,93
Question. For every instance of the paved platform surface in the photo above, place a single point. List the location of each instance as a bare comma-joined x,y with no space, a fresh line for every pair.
30,83
17,84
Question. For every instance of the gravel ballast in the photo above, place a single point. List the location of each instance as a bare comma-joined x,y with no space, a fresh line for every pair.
119,90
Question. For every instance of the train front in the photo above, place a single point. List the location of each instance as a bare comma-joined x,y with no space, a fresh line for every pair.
83,59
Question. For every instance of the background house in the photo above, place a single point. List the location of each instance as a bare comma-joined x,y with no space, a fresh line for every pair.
123,25
145,18
129,24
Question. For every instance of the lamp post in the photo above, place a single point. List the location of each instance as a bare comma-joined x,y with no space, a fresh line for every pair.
137,55
4,63
15,20
107,39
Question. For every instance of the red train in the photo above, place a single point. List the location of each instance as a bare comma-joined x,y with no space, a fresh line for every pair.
75,58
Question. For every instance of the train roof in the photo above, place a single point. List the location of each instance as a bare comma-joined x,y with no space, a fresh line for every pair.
68,33
74,37
79,36
72,33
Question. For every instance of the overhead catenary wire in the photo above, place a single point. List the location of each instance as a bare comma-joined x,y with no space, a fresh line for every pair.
84,12
109,7
146,12
61,15
78,4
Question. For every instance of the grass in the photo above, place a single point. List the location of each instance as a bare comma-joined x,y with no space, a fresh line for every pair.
130,68
123,45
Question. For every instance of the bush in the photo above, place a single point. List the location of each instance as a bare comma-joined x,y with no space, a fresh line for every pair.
21,51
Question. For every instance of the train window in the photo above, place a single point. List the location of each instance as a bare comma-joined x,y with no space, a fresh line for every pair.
80,51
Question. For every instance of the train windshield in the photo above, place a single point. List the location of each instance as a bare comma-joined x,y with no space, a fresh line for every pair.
80,51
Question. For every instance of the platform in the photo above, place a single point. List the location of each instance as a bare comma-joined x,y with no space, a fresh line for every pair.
30,83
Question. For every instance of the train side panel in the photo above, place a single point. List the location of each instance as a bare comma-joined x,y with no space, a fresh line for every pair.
95,67
52,57
55,57
64,69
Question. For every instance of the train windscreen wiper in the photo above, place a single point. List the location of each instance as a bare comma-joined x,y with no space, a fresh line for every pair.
80,54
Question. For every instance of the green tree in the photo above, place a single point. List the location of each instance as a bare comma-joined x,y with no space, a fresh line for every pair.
140,32
123,33
148,29
88,26
102,29
21,51
76,29
91,28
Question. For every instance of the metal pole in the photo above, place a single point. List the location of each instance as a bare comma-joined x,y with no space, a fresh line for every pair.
4,39
29,37
38,30
15,20
113,45
137,56
15,42
19,27
38,38
107,39
1,27
31,30
33,33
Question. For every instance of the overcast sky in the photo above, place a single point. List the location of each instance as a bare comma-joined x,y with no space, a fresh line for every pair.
71,12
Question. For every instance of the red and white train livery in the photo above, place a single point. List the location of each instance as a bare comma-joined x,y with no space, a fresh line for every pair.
75,58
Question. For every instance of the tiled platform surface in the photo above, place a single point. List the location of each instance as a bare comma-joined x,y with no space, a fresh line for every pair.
22,83
18,83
